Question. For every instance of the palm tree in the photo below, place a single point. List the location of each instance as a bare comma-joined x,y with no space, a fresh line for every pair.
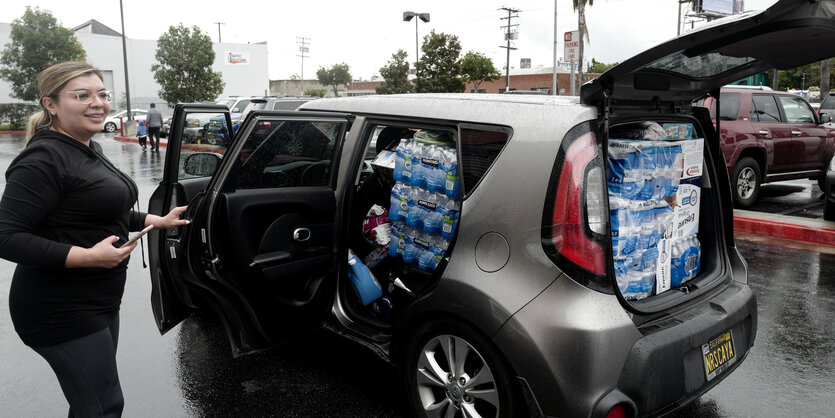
580,7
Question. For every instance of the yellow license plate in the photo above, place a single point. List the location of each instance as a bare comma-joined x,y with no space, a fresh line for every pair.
719,354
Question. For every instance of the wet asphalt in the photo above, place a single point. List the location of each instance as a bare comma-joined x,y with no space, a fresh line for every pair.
189,372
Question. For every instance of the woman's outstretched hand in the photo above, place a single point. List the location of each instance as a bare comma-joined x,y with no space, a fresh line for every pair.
168,221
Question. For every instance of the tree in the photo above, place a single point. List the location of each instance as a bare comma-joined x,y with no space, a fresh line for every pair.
439,68
599,67
826,73
395,75
477,68
580,7
36,42
184,66
334,76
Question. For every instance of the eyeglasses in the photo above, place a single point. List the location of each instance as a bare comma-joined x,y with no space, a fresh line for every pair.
87,97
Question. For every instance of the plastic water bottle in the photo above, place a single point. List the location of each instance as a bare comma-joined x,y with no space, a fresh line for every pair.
449,166
415,215
450,213
404,161
399,206
418,177
397,245
433,169
412,252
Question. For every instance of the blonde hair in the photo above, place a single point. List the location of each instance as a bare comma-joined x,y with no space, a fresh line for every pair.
50,83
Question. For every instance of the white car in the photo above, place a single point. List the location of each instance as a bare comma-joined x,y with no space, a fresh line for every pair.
113,122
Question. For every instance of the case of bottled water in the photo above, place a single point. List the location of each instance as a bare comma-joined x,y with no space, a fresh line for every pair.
424,205
654,193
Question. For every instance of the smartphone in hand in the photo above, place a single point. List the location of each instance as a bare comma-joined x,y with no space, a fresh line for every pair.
138,235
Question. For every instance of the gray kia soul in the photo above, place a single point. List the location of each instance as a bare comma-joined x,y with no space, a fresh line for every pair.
477,240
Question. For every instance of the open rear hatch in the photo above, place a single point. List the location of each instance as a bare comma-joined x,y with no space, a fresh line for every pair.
650,133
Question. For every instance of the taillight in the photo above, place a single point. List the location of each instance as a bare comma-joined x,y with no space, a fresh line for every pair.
576,219
617,411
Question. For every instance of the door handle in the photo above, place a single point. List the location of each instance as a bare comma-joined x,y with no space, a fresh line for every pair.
301,234
796,133
764,132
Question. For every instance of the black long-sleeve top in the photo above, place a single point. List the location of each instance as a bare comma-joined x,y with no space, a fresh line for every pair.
61,193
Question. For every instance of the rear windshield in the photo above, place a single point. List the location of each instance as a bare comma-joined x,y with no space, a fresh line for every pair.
700,66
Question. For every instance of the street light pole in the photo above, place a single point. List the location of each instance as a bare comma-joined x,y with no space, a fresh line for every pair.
407,16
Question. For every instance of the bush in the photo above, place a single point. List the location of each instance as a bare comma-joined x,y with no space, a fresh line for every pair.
16,114
315,92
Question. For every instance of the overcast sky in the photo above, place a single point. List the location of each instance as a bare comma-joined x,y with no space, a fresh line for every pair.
364,34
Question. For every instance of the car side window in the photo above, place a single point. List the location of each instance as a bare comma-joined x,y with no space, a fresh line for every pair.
765,108
480,146
241,105
207,135
288,153
797,111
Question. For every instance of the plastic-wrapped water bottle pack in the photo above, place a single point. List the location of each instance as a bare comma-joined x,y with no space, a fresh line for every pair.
424,205
645,173
429,166
643,170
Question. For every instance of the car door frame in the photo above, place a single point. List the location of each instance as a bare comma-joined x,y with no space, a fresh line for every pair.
248,328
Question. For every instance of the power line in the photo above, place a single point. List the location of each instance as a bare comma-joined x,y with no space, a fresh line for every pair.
304,42
508,36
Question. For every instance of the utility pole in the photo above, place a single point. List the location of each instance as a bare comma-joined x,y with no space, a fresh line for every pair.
304,42
554,91
125,58
218,31
508,36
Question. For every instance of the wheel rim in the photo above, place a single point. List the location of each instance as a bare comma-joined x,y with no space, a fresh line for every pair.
110,127
745,183
454,380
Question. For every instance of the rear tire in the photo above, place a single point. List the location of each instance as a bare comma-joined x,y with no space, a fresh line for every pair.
439,384
828,209
110,127
745,182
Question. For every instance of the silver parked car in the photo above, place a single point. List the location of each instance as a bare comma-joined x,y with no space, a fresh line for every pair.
485,249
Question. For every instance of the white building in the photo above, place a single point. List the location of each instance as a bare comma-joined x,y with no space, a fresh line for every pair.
243,66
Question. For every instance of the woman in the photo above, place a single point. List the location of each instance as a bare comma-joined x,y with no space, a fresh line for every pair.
64,215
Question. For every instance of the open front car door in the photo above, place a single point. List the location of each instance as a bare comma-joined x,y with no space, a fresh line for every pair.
260,250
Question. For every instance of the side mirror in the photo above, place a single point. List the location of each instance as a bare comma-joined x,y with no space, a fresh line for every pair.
201,164
235,110
825,118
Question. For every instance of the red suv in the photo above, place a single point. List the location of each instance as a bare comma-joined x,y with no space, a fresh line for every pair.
770,136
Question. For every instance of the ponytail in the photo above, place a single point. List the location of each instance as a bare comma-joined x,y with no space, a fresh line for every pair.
39,121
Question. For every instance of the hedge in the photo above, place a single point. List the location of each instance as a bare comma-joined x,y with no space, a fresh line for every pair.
16,114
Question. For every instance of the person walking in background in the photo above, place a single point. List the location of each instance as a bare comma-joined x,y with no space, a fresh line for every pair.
65,216
154,121
141,133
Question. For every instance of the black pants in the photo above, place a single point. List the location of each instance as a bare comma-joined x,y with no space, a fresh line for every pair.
86,370
153,132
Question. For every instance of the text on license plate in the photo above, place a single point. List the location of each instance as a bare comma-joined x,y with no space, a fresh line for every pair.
719,354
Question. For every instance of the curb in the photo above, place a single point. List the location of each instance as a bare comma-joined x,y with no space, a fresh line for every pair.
813,232
134,140
12,132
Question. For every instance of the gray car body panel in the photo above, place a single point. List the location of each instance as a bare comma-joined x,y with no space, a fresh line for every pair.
538,125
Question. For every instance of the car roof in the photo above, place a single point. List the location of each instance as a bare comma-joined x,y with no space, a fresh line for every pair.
788,34
500,109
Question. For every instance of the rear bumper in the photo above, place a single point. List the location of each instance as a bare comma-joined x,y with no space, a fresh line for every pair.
582,357
665,369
